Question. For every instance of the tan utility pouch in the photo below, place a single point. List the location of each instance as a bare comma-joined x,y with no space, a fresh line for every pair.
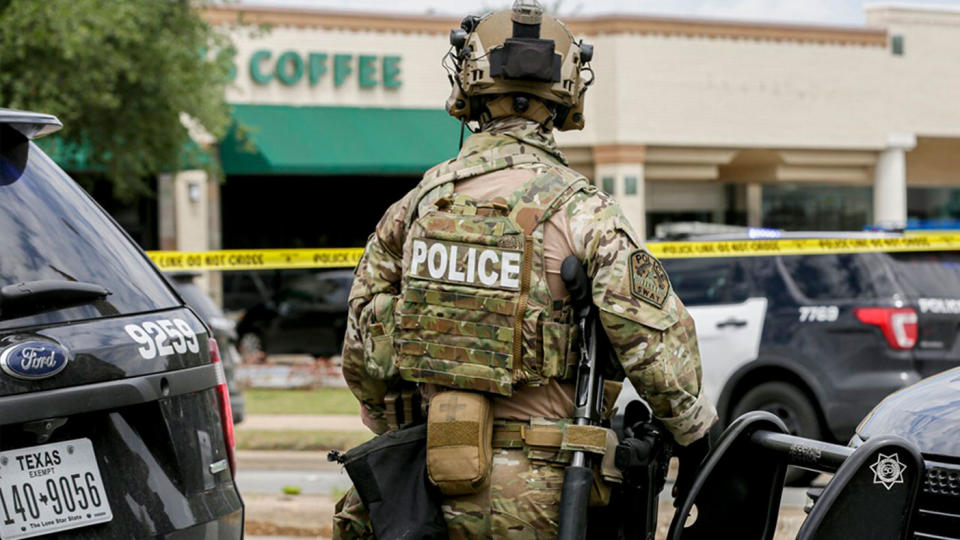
402,409
602,443
459,442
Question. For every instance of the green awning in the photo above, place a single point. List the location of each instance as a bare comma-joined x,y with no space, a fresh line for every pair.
280,139
76,159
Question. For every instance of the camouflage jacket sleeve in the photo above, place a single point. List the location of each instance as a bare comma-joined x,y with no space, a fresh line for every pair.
649,328
370,315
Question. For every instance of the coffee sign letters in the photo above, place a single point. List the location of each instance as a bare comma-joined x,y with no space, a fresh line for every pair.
292,68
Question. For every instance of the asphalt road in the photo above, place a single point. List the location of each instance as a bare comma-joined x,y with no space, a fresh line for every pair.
328,481
323,482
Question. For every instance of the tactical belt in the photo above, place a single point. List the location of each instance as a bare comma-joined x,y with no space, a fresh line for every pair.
549,437
553,443
513,434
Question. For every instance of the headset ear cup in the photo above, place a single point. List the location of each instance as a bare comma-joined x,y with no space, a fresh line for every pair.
459,105
573,119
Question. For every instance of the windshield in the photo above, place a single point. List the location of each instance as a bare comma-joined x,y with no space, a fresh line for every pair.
928,274
52,230
846,276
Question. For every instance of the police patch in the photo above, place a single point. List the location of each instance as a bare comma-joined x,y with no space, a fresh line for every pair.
466,264
648,279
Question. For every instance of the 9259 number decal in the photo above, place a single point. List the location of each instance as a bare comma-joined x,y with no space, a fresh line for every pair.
163,337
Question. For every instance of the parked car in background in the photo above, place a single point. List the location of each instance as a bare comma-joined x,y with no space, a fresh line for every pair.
115,419
243,289
819,339
224,331
307,314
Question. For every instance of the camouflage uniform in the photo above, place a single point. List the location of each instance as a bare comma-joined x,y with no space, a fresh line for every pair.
649,328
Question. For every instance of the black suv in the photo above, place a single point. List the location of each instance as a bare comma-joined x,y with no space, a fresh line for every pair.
115,416
820,339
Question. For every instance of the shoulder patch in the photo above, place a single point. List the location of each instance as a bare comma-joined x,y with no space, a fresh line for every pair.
648,279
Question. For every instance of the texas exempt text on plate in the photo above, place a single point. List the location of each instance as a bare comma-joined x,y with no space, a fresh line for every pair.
50,488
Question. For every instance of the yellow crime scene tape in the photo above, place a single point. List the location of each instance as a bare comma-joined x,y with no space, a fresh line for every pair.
256,259
272,259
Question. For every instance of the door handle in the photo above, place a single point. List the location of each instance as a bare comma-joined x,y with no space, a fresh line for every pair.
731,322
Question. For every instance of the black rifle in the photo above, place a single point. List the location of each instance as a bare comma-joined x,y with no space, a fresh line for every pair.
578,476
643,457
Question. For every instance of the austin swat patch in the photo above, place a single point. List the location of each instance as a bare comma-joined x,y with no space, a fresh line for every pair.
648,279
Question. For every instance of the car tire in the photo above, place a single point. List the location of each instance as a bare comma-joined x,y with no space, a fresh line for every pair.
251,348
792,406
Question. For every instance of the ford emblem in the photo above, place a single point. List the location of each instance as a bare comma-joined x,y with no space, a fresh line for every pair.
33,360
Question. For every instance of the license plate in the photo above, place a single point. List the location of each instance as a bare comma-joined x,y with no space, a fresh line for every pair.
50,488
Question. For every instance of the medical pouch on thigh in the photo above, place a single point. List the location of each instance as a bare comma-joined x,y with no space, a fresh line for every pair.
474,298
459,442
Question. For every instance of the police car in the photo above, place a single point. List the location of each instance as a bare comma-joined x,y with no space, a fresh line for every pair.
928,415
819,339
115,416
899,477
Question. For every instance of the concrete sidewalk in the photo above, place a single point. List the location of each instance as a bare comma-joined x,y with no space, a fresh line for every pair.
272,515
304,422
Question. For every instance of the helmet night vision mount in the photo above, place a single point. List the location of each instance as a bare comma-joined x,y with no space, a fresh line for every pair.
518,62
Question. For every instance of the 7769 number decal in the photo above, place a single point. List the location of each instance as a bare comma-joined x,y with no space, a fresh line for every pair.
163,337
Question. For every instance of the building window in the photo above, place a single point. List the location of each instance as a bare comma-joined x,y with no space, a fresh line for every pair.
608,184
630,185
896,45
817,208
933,207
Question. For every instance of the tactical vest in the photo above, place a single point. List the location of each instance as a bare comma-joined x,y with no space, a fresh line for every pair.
475,311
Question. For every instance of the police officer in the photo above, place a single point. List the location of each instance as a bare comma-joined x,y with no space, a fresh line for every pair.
460,288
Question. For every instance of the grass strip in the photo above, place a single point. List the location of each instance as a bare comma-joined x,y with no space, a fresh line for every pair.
319,401
300,440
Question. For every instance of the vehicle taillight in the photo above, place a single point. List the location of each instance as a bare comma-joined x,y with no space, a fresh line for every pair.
899,325
226,411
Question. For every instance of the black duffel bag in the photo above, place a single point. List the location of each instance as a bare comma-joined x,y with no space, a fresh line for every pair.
390,476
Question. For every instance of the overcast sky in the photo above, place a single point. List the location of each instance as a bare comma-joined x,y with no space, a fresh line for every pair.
845,12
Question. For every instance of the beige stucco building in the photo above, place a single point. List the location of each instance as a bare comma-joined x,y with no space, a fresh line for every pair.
800,127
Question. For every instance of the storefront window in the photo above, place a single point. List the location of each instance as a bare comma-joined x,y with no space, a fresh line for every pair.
817,208
694,202
928,204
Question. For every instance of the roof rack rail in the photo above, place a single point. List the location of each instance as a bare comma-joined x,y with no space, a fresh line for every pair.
32,125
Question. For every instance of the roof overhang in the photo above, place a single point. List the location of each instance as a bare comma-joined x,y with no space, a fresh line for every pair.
595,25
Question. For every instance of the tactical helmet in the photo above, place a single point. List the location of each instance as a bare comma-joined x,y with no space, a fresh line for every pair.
504,59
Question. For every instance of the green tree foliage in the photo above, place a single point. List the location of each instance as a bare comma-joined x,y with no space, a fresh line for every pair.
120,74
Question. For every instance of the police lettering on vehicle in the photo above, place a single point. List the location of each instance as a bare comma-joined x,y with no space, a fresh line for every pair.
940,306
462,263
